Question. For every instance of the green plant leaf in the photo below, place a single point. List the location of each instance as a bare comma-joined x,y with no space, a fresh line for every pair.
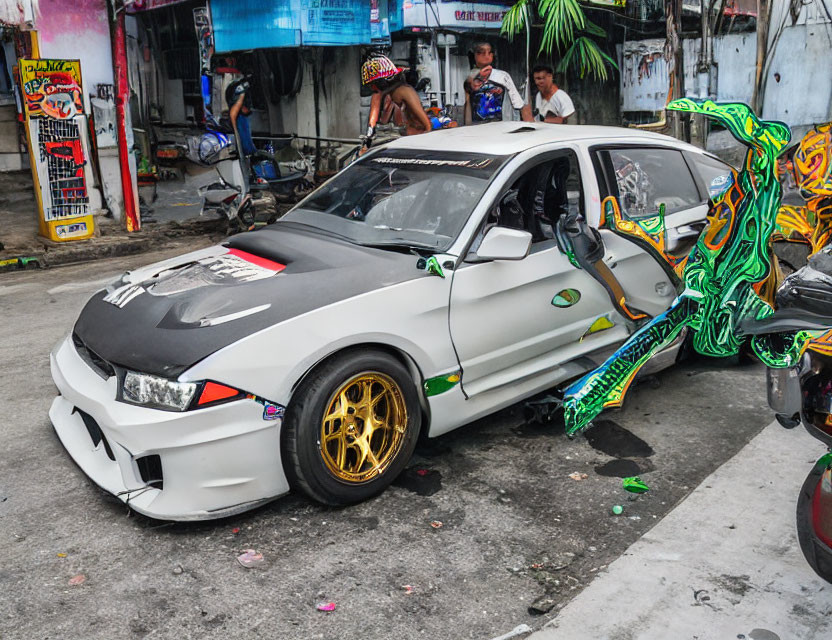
565,28
594,30
585,56
514,21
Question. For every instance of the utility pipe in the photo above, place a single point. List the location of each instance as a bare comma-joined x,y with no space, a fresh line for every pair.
448,95
324,139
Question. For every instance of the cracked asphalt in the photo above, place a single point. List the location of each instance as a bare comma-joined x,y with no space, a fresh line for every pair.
522,530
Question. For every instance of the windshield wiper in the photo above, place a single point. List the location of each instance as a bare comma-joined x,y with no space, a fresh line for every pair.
401,243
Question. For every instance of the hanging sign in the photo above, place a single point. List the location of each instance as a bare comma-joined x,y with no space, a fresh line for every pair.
449,13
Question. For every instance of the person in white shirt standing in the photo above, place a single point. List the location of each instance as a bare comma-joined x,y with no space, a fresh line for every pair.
486,89
551,103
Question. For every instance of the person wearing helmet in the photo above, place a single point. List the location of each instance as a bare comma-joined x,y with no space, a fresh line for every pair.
386,79
237,95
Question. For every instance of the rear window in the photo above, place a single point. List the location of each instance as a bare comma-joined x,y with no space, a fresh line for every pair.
649,177
717,175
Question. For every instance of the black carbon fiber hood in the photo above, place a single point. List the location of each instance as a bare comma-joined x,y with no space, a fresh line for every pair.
165,325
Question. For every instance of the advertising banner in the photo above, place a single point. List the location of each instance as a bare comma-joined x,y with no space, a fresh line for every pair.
335,22
456,15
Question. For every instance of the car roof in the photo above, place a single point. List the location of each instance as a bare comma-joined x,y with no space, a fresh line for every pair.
506,138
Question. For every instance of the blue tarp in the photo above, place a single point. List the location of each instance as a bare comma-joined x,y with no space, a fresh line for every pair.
253,24
335,22
385,18
394,15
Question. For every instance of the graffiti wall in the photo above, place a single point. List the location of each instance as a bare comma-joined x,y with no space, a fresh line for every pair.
54,110
52,88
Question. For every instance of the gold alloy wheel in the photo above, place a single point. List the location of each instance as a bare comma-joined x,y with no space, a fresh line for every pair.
363,427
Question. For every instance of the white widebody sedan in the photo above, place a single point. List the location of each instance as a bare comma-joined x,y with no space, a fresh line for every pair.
424,286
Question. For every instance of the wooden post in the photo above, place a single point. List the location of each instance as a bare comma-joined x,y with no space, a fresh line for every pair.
674,53
762,50
122,99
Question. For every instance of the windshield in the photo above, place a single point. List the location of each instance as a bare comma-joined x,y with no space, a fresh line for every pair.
409,198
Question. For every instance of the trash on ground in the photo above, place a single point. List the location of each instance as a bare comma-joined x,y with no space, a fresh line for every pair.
422,472
617,509
235,530
436,524
635,485
325,606
408,589
250,558
62,555
79,579
576,475
518,630
544,604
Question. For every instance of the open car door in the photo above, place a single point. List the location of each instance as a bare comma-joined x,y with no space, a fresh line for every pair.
653,200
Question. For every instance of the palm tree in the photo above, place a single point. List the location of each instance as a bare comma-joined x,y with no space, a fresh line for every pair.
566,29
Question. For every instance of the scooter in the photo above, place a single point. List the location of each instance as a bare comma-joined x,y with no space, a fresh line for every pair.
802,394
229,195
276,168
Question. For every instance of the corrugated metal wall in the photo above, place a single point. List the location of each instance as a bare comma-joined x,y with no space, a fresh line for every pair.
799,85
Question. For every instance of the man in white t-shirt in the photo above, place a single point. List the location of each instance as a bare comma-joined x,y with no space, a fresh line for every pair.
551,104
486,89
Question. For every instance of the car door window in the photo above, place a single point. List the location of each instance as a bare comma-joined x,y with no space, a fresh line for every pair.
716,175
646,178
540,195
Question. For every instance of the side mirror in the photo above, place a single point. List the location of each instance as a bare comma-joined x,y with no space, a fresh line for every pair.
502,243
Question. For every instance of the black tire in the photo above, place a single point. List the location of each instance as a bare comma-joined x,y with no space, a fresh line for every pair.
817,554
305,459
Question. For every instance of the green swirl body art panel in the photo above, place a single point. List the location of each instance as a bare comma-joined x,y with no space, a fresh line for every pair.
722,276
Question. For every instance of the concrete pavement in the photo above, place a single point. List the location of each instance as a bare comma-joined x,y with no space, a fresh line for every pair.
518,528
724,564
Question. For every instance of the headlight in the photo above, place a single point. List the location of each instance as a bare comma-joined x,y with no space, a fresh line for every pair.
153,391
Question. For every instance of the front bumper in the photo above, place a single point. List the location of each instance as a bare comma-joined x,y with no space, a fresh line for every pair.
214,462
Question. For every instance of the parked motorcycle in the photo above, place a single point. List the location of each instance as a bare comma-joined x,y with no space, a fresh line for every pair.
803,394
276,169
229,195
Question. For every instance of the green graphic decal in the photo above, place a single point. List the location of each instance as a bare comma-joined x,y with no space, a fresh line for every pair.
441,384
729,263
825,460
432,266
566,298
601,324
